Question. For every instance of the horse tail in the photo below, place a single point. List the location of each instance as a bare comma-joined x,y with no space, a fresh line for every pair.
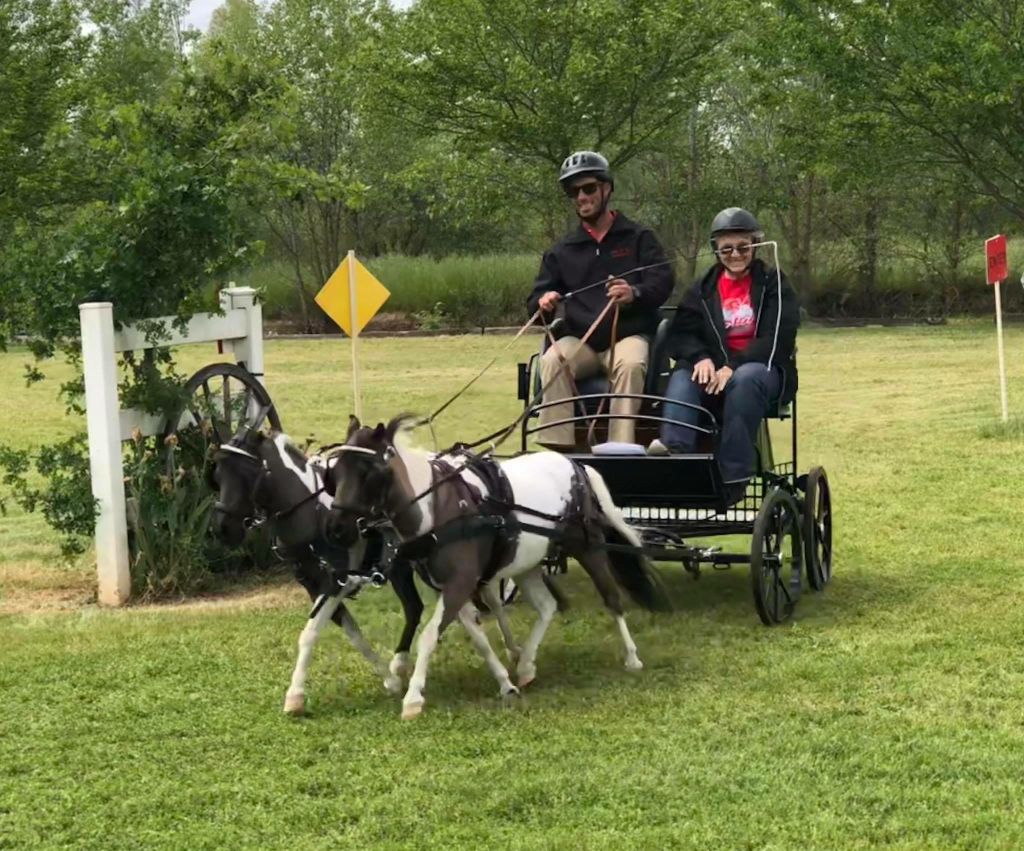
633,571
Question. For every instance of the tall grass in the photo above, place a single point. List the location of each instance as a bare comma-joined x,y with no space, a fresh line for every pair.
455,292
463,292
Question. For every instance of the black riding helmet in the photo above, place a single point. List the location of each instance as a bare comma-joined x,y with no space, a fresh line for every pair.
735,220
585,163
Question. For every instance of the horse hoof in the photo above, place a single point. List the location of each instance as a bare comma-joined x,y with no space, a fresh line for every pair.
634,664
295,704
526,679
511,696
400,666
393,685
411,710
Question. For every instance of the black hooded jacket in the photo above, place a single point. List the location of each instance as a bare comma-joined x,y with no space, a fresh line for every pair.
577,261
698,328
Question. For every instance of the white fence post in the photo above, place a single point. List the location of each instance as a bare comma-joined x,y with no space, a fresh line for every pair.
106,469
248,350
240,331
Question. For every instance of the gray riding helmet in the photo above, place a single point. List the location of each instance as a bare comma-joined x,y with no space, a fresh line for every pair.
585,162
735,220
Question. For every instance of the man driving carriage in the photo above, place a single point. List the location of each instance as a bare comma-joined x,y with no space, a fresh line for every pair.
734,341
609,247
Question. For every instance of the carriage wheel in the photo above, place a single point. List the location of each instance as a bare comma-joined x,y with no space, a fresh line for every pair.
776,557
222,399
818,529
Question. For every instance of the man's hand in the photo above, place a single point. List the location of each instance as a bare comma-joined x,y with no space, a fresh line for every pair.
619,291
718,381
704,371
549,300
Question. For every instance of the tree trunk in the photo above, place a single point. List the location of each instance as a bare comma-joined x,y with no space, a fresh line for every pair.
868,267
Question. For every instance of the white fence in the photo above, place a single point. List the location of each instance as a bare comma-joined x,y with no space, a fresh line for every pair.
240,330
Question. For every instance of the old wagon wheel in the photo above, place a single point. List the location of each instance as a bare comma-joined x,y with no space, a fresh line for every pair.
776,557
222,399
818,529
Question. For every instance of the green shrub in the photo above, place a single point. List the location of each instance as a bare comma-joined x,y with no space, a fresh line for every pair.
171,548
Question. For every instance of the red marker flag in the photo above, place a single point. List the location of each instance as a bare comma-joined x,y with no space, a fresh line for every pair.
995,258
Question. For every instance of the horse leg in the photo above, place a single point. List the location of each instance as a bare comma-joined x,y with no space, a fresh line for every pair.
343,617
412,605
595,563
458,574
537,595
469,616
412,703
493,601
323,610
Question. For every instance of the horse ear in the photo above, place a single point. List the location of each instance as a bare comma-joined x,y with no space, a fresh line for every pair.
380,433
353,425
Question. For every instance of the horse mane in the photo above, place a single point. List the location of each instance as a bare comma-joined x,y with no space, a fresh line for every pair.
400,428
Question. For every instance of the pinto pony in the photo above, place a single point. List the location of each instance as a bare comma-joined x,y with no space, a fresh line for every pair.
261,478
467,522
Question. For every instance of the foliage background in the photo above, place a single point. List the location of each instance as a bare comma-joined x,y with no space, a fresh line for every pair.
146,163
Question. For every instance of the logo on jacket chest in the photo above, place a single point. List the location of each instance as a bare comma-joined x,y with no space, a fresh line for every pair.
622,252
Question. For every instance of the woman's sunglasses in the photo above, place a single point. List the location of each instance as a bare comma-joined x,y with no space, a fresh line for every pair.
729,250
587,189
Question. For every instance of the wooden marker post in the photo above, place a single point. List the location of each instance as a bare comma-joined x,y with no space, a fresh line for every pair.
352,297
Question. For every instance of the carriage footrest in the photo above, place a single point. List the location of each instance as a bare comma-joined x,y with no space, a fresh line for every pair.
686,481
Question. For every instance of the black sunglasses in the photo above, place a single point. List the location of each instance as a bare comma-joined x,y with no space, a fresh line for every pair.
587,189
729,250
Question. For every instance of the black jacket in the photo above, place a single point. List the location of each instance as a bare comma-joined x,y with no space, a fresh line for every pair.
578,261
698,328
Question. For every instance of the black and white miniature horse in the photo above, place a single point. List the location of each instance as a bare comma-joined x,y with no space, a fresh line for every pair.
257,474
379,477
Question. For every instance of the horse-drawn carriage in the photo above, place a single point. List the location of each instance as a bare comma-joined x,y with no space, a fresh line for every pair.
674,501
463,522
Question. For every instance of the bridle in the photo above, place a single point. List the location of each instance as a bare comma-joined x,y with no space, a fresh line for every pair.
259,517
375,513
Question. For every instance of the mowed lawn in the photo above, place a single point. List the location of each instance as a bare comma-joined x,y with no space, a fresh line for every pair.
889,713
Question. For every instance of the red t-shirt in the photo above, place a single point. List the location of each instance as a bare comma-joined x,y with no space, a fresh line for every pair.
738,311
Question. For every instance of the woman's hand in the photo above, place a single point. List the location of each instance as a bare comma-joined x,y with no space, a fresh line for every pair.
717,383
704,371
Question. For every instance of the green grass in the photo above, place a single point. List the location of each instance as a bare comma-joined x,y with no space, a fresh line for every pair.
888,714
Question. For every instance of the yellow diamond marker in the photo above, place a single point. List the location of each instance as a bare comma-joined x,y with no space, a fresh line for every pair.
335,300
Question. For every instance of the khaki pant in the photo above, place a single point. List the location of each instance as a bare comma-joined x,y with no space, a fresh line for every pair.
627,376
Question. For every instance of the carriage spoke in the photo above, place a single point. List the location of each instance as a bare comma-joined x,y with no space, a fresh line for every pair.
226,392
246,409
208,401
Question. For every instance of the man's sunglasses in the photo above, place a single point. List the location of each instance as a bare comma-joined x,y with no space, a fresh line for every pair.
587,189
729,250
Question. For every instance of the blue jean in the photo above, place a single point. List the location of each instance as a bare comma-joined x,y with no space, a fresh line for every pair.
748,398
